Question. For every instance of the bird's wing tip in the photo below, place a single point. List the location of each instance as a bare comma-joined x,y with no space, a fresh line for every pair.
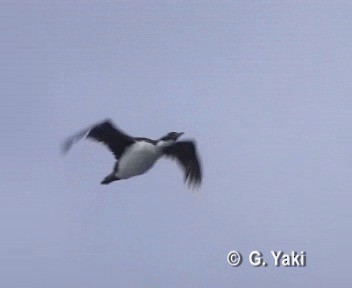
66,146
193,184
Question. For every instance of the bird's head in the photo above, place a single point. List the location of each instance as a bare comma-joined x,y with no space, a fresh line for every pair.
171,136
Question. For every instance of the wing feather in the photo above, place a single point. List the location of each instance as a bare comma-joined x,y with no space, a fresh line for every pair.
104,132
186,155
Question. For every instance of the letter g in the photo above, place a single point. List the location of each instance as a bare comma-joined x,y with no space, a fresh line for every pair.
255,258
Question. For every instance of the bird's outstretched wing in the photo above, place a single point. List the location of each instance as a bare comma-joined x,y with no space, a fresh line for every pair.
186,155
104,132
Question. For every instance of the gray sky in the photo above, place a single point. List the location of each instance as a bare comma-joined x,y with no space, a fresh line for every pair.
263,86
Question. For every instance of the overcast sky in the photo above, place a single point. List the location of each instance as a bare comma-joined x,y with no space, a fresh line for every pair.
263,86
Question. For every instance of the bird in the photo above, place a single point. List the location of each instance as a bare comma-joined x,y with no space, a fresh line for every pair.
136,155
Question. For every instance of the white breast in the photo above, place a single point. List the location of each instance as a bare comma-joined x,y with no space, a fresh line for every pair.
137,159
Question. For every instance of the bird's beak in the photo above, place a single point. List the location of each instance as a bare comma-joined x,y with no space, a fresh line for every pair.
180,134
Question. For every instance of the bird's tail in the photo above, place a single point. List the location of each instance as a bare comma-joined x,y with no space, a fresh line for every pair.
110,178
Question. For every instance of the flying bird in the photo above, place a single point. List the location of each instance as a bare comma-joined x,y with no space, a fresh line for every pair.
136,155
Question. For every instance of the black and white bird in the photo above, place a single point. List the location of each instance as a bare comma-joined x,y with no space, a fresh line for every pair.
136,155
